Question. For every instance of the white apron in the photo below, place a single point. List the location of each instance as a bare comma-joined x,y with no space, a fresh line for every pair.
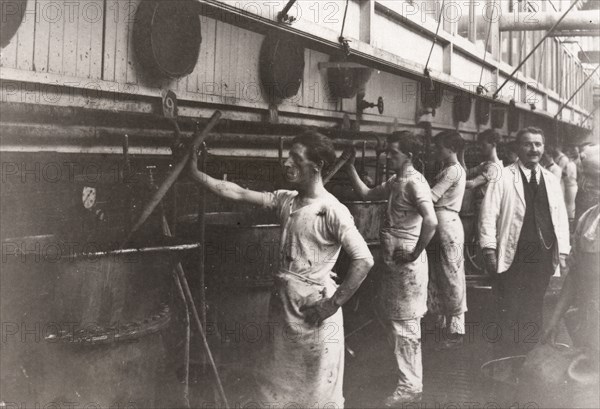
304,363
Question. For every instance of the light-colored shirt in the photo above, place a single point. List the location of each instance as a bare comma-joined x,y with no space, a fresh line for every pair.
556,170
405,194
449,188
313,235
527,172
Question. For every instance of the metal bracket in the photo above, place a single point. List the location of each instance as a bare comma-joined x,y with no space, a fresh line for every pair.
345,45
283,16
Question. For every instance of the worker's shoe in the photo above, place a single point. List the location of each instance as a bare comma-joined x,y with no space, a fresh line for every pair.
454,343
401,397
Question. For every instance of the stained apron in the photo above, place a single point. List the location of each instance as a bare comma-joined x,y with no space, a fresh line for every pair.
447,291
403,286
304,363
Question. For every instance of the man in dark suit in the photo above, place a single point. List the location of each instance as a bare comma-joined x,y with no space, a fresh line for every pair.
524,233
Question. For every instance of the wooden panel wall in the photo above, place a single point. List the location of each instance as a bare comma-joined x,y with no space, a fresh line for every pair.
92,40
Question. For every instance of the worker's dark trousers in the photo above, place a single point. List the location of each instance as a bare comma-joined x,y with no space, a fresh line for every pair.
519,295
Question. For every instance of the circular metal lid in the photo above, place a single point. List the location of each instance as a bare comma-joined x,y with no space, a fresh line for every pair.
168,36
11,16
281,66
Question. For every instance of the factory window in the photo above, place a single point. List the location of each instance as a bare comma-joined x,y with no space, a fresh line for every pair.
540,69
518,41
486,12
556,66
505,40
552,64
548,66
464,19
523,47
506,37
532,40
432,10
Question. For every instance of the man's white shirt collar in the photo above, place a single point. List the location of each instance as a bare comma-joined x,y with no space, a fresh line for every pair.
527,172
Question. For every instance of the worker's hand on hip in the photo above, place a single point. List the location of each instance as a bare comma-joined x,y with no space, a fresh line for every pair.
402,256
317,313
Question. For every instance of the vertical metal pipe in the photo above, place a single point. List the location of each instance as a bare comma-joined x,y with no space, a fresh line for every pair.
201,251
362,162
377,167
280,152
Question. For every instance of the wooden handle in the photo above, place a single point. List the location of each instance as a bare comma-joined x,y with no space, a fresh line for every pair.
172,177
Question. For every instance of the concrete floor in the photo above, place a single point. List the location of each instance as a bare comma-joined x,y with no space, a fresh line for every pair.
452,379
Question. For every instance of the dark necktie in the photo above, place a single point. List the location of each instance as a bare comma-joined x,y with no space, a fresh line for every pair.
533,181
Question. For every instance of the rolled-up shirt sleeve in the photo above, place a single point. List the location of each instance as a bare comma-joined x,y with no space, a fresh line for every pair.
492,171
444,182
383,190
342,227
489,213
419,192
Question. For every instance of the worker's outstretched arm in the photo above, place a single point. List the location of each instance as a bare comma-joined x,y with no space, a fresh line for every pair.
363,191
222,188
478,181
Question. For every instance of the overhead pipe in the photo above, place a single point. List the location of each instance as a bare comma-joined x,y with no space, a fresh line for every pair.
537,21
533,50
90,134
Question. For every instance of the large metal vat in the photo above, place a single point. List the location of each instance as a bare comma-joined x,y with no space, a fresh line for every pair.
83,331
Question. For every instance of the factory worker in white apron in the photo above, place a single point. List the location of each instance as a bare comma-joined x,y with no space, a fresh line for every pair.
447,284
408,227
304,358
